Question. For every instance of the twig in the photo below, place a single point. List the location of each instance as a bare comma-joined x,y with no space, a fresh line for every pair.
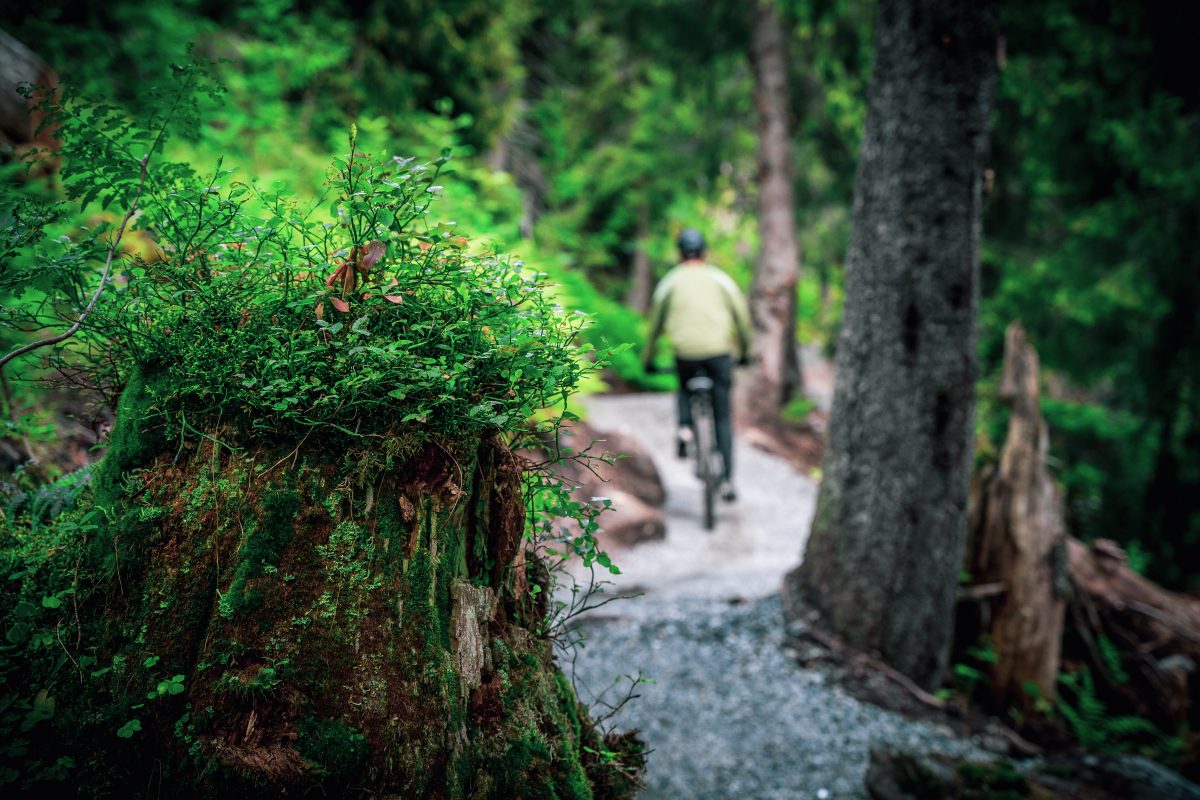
63,645
888,672
112,250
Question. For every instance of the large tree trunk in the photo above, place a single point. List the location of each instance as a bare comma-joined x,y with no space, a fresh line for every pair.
776,372
887,540
1018,541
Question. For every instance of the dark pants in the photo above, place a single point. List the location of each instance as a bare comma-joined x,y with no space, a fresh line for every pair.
718,369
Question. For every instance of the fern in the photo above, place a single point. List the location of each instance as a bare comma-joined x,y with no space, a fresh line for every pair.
1095,729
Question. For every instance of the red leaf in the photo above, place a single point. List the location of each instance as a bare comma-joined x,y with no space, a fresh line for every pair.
393,298
340,304
374,252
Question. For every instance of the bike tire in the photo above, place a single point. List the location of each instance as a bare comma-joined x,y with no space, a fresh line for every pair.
705,432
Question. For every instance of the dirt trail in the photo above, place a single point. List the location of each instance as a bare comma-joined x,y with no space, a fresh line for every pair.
728,714
756,539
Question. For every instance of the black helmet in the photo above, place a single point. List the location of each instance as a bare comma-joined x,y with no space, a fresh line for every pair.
691,243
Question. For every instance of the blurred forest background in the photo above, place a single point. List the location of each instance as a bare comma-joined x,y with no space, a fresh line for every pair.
586,134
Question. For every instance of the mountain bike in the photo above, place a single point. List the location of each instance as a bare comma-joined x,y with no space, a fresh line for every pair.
709,464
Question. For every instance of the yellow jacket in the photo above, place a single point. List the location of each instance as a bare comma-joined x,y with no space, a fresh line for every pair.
703,312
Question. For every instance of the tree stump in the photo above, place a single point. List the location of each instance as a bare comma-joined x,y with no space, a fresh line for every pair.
349,618
1017,539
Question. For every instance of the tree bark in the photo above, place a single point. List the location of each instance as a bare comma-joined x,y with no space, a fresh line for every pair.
19,121
776,371
888,537
641,272
1018,540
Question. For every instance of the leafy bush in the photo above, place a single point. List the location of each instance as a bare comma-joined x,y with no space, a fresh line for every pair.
356,314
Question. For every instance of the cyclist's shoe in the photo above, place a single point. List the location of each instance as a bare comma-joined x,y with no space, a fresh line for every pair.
683,442
727,492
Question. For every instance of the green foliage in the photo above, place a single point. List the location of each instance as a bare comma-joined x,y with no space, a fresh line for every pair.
1097,730
1091,245
355,314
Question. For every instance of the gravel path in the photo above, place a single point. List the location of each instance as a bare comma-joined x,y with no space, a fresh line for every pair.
728,714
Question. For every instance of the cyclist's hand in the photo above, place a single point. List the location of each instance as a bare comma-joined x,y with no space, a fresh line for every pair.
744,361
651,369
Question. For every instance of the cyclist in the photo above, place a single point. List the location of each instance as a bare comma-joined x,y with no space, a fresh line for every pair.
704,314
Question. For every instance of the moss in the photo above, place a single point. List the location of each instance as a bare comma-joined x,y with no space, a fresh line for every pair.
264,545
418,605
333,747
392,532
131,443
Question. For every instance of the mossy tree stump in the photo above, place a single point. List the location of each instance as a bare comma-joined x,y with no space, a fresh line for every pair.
349,621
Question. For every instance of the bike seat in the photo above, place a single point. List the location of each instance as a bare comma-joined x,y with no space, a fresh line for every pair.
700,384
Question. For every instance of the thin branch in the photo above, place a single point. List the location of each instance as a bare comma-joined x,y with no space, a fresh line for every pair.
108,262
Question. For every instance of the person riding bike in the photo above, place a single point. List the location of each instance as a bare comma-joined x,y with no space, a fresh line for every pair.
705,316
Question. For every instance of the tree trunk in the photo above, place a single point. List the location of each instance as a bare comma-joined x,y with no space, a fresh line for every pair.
342,620
776,372
19,120
1018,541
641,283
887,540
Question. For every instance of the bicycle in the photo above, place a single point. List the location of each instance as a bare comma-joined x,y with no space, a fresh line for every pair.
709,463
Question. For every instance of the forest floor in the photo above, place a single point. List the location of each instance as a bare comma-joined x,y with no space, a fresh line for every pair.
727,711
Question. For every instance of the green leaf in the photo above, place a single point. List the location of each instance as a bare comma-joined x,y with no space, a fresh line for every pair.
127,730
17,633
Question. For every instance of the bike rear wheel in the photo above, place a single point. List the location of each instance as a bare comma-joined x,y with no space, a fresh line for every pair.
706,448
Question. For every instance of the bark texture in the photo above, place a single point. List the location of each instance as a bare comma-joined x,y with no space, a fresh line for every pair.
641,273
1018,539
776,372
888,536
1141,641
19,120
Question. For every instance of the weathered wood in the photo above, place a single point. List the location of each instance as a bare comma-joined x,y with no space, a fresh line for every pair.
1017,539
1155,633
